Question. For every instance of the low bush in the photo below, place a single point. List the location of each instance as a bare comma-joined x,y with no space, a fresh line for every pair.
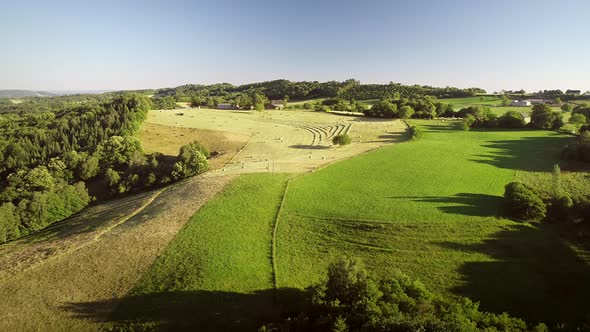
510,119
342,139
415,133
467,122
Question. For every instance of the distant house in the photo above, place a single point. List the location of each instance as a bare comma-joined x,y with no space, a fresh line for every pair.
573,92
225,106
276,105
539,101
520,103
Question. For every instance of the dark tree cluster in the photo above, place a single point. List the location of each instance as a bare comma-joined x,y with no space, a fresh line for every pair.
203,95
164,103
416,106
31,139
581,150
46,104
523,203
350,299
277,89
378,91
482,117
542,117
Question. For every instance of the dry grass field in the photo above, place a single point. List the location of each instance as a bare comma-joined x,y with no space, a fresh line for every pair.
168,140
280,141
97,255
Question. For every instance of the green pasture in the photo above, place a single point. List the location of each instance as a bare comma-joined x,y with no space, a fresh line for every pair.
431,208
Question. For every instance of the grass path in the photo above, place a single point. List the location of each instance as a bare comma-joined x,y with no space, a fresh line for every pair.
275,227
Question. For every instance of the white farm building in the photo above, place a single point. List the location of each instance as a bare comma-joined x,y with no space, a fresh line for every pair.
522,103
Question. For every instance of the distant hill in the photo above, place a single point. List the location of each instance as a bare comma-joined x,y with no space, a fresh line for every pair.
25,93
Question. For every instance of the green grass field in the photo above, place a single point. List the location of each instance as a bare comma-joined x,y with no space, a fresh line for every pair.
217,273
430,208
494,103
490,101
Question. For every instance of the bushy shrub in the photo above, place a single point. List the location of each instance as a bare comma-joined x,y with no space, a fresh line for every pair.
467,122
405,112
510,119
192,160
186,150
415,133
342,139
522,203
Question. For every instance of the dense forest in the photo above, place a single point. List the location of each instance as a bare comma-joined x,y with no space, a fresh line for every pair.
56,157
278,89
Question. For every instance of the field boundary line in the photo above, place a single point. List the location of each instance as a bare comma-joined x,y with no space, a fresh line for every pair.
237,153
273,245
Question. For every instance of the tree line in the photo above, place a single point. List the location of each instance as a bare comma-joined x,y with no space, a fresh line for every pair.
278,89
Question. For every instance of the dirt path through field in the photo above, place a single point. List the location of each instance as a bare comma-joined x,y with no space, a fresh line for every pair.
42,295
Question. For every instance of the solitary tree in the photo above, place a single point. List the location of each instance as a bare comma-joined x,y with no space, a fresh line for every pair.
342,139
566,107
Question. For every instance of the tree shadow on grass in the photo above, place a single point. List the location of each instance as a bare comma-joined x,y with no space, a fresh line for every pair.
192,310
533,274
536,154
393,137
447,127
477,205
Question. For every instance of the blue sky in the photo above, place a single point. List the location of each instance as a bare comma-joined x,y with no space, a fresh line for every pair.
501,44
